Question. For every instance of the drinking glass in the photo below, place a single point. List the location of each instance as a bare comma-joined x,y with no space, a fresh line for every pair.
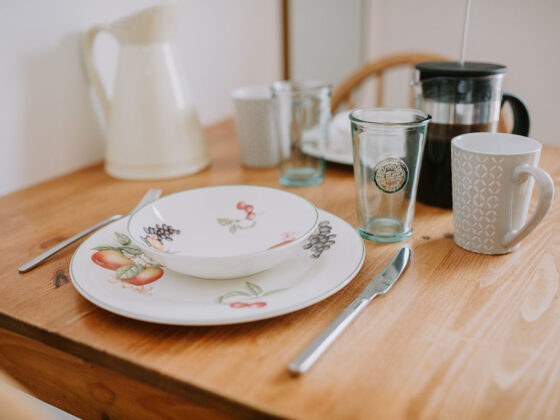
302,115
387,144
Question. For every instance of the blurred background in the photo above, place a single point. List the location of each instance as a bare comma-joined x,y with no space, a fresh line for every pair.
50,125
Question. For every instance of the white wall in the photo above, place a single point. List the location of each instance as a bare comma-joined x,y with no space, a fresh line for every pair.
48,126
524,35
325,39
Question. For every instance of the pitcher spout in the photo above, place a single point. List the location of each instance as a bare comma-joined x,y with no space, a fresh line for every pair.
154,25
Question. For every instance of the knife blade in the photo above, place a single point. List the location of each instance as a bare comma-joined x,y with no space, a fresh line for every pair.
379,285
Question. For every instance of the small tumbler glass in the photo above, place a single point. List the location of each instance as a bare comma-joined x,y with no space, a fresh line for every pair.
387,144
302,112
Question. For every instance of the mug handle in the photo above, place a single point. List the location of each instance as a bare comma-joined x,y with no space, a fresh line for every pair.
546,194
91,71
521,121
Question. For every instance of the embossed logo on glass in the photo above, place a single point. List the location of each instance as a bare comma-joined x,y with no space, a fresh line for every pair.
390,175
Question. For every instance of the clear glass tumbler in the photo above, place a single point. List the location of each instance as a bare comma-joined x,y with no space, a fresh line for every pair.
302,114
387,144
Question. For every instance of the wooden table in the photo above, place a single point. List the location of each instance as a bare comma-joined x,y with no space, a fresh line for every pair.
461,335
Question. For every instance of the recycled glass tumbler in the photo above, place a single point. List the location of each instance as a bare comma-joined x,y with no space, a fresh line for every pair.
302,115
387,146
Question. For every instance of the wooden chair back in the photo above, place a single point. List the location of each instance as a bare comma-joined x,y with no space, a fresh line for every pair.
343,94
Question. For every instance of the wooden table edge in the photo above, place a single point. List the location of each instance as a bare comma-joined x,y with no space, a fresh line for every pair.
134,372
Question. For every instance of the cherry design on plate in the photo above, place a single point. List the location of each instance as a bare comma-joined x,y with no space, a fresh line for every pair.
247,305
240,224
250,293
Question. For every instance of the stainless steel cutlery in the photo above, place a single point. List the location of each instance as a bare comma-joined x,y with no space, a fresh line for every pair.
379,285
151,195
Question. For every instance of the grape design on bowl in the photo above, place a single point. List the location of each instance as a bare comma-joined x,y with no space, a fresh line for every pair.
321,240
157,234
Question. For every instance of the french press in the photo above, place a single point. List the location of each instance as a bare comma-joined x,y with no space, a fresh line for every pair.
461,98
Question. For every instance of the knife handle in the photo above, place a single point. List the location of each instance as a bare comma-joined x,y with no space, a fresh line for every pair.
317,347
39,259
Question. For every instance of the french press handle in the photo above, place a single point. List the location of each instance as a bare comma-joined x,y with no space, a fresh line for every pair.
521,121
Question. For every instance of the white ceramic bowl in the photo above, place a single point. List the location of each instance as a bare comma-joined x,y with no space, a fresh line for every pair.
224,231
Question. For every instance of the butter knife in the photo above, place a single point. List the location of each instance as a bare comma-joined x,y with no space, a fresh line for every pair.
380,284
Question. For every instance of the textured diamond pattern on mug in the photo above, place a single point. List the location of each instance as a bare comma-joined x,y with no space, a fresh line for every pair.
477,181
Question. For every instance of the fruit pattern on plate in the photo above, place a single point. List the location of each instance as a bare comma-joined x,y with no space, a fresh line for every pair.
286,238
251,293
133,267
240,224
128,261
155,235
251,297
321,240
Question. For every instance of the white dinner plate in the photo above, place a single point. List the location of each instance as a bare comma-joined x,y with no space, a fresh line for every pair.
323,265
331,155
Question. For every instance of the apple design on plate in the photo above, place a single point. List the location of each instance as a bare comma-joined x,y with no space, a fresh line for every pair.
111,259
128,261
146,276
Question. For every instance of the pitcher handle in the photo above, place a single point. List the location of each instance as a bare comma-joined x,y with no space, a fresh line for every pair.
546,194
521,121
90,69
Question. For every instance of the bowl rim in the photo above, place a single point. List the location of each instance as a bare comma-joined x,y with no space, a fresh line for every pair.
250,254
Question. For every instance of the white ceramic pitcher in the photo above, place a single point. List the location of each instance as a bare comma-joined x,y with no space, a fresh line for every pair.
153,129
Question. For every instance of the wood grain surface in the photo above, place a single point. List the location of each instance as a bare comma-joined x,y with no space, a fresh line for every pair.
461,335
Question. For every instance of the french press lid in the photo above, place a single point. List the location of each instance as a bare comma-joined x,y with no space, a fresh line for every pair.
468,69
451,82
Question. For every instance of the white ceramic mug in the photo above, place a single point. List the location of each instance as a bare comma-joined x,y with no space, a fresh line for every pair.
254,127
492,177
